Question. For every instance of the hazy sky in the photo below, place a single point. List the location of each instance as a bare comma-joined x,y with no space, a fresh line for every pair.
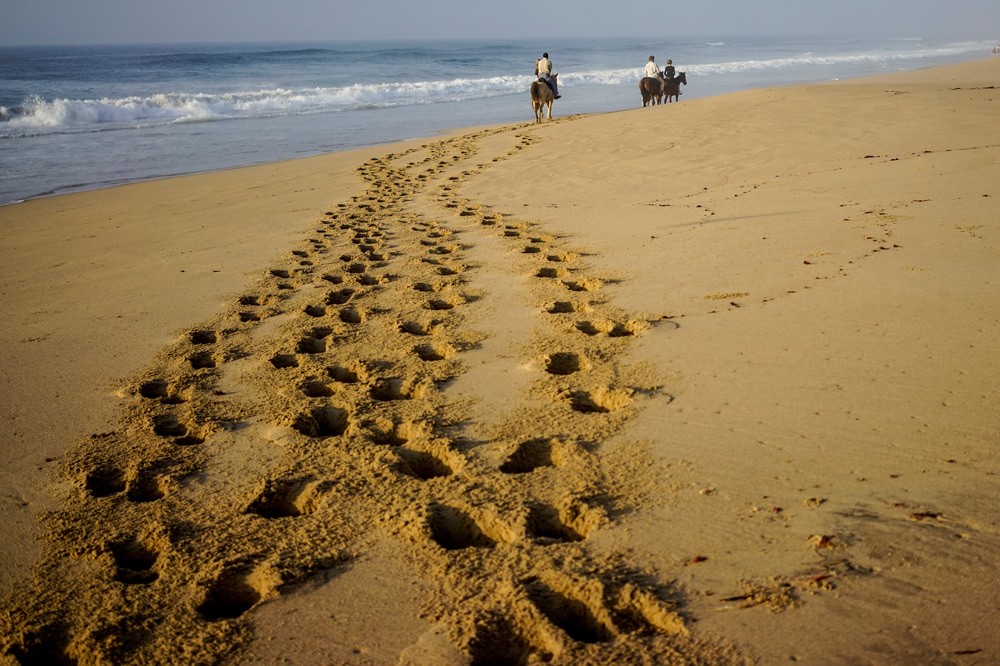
101,21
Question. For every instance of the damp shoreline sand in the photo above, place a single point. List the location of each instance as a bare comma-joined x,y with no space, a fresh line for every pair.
727,389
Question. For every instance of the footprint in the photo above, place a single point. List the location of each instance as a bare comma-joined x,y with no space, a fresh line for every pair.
159,389
46,645
423,464
497,642
104,481
285,361
327,421
343,374
203,337
454,529
145,487
397,388
532,454
435,351
546,526
340,297
235,591
289,498
313,388
315,310
134,562
169,425
420,328
565,363
590,284
311,345
573,615
352,316
549,272
600,401
566,307
202,360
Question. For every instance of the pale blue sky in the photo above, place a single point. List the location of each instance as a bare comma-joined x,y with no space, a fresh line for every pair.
104,21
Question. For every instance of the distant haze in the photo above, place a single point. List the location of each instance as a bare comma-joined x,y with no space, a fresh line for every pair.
145,21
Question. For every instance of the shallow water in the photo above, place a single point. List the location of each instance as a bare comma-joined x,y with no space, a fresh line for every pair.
83,117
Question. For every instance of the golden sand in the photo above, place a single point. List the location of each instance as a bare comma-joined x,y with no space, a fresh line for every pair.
698,383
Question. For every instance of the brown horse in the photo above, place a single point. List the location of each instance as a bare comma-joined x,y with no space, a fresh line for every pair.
651,89
672,87
542,98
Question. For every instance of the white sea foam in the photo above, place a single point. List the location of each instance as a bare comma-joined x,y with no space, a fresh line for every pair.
41,116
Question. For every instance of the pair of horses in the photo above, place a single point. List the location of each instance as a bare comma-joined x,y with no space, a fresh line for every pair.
653,89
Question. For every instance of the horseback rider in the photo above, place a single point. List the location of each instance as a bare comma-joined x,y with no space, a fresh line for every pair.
669,72
543,70
651,69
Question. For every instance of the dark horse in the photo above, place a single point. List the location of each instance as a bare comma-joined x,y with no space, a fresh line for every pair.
651,89
672,87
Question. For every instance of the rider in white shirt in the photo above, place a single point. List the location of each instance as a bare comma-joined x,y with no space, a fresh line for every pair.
651,68
543,70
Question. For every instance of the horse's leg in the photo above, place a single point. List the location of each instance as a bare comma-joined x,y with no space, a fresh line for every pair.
549,105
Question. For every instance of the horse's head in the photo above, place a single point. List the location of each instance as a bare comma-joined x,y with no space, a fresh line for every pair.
682,77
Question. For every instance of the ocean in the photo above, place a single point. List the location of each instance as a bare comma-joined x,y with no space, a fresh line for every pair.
85,117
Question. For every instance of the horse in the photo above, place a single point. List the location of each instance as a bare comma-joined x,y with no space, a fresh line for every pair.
672,87
651,89
542,98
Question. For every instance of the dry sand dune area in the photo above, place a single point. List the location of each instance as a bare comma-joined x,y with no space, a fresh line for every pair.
709,382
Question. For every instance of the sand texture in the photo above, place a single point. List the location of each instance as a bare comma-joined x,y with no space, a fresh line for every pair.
710,382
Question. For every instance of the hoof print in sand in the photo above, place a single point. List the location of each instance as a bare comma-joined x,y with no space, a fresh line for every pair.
581,621
546,527
105,481
285,361
328,421
289,498
600,401
565,363
423,465
435,352
534,453
397,388
145,487
202,360
159,389
236,591
420,328
134,562
314,342
315,310
343,374
455,529
204,337
339,297
168,425
313,388
497,642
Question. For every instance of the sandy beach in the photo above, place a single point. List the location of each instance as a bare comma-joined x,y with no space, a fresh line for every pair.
708,382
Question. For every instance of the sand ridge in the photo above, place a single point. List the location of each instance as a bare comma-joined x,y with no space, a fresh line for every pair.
261,447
